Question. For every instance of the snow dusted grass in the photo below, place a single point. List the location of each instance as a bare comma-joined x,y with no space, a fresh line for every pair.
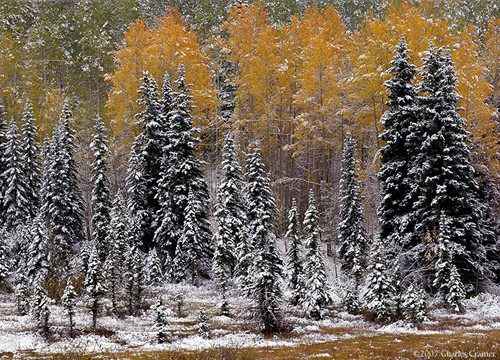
340,335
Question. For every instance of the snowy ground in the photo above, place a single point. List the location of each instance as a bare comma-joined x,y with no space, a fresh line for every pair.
124,337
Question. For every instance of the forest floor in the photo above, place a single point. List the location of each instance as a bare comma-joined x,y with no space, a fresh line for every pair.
472,335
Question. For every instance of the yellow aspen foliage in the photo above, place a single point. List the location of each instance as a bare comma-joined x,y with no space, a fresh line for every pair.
159,50
491,57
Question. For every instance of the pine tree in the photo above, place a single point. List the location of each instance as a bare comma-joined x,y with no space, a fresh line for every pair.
193,248
203,328
69,301
402,132
378,283
447,176
31,160
39,254
180,173
155,274
294,268
117,239
160,323
415,305
265,272
315,293
40,306
353,241
94,284
230,216
101,198
3,134
145,164
15,194
22,292
456,290
62,200
4,255
351,300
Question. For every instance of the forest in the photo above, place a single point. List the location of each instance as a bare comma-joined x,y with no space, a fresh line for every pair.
190,164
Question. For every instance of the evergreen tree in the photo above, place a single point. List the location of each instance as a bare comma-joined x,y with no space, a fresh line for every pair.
351,300
101,198
415,305
230,216
21,293
447,279
40,306
398,290
180,173
353,241
145,164
69,301
266,268
117,240
3,134
315,293
155,274
31,160
62,200
15,194
139,278
449,186
402,133
134,278
378,283
203,328
161,323
4,255
193,248
294,269
94,284
39,254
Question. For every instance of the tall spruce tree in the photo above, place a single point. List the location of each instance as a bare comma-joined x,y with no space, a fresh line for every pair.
181,172
144,171
62,198
39,252
447,176
399,190
266,268
69,302
3,133
15,193
294,266
4,255
40,305
353,241
94,283
31,160
101,198
230,215
315,292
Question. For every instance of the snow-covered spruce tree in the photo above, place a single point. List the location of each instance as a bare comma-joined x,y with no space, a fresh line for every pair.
265,273
3,133
15,199
447,174
62,198
22,292
449,285
40,306
398,294
69,302
230,216
139,276
4,255
134,278
399,189
144,171
181,172
31,160
415,305
155,274
39,254
378,293
94,283
117,239
315,292
353,241
160,321
193,248
203,328
294,268
351,299
101,198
